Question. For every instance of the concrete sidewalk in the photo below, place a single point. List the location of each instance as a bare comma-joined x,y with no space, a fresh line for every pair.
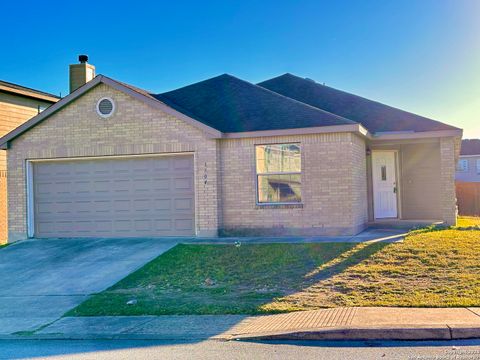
326,324
368,235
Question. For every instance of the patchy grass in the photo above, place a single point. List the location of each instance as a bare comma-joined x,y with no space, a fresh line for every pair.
429,269
432,268
216,279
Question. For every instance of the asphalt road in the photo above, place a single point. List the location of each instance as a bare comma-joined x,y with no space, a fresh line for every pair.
132,349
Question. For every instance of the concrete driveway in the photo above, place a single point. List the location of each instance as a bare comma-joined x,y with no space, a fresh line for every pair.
42,279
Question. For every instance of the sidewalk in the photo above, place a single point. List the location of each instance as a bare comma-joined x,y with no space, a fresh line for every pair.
388,235
326,324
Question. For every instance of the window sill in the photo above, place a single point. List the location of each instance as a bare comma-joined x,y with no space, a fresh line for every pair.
279,206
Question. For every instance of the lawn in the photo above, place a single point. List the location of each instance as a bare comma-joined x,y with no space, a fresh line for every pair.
468,221
430,268
215,279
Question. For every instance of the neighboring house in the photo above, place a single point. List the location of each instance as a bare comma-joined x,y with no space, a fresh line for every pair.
468,167
286,156
17,105
468,178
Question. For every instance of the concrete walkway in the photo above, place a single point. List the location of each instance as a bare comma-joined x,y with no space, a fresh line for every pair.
327,324
368,235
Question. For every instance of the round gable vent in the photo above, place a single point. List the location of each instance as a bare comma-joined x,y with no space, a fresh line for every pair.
105,107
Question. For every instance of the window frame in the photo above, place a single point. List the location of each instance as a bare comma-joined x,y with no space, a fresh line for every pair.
477,163
257,198
97,107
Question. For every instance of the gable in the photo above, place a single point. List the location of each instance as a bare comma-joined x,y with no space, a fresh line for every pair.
133,125
80,92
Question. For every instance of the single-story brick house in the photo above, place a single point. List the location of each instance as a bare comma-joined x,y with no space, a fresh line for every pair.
286,156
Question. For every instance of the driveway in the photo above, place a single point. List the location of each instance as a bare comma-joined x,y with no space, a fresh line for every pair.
42,279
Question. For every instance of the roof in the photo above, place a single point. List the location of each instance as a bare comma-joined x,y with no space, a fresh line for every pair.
376,117
137,93
225,106
470,147
26,91
231,105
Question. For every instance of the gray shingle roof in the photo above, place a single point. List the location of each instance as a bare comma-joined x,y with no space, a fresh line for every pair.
470,147
229,104
376,117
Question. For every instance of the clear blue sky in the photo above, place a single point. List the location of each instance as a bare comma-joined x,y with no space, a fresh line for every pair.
419,55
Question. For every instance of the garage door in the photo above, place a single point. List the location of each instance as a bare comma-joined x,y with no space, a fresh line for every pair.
116,197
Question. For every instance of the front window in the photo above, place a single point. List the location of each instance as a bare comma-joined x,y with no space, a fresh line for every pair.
462,165
278,173
478,166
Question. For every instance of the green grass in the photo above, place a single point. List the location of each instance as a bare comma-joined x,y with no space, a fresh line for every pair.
214,279
431,268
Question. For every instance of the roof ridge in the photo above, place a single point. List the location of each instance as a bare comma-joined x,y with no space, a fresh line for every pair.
357,96
196,83
290,99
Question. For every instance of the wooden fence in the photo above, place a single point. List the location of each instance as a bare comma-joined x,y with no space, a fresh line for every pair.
468,198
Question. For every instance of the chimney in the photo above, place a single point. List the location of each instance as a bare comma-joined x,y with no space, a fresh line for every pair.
81,73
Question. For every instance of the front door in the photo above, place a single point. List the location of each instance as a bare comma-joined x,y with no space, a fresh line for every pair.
384,184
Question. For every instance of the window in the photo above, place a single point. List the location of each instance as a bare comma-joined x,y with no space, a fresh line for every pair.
105,107
278,173
462,165
478,166
384,172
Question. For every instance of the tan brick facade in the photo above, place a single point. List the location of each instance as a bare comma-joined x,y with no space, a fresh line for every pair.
333,187
448,161
14,111
135,128
333,180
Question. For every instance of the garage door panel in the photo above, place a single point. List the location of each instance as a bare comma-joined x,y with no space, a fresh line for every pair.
183,183
128,197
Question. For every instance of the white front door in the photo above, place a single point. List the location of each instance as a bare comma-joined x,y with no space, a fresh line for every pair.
384,184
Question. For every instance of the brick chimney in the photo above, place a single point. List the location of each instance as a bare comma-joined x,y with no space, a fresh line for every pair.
81,73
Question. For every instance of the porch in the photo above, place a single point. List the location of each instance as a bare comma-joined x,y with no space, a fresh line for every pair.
411,183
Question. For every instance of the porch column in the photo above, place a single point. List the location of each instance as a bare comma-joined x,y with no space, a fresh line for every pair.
448,201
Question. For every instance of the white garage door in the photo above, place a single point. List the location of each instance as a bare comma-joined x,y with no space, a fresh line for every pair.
116,197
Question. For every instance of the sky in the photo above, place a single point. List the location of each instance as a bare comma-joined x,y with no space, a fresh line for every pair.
421,56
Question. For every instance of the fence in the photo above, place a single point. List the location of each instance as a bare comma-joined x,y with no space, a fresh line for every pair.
468,198
3,206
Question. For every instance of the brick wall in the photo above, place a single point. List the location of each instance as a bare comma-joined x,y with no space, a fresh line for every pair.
334,182
448,202
135,128
14,111
359,182
333,187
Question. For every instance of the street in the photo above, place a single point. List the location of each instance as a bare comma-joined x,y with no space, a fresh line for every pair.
139,349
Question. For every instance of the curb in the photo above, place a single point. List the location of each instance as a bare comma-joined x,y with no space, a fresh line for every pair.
415,332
